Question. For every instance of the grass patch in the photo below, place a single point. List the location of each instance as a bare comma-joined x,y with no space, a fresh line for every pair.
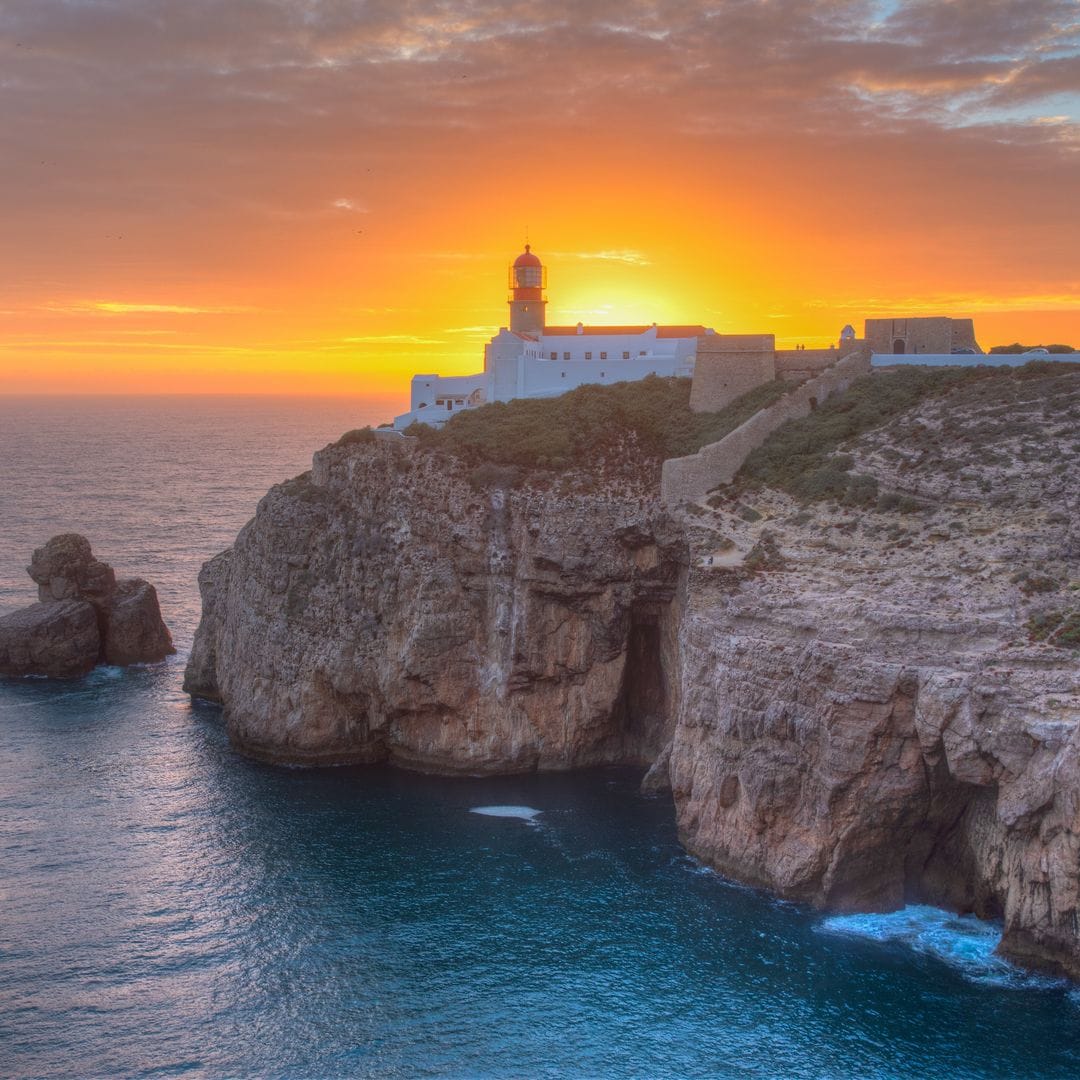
357,435
1060,628
801,456
556,433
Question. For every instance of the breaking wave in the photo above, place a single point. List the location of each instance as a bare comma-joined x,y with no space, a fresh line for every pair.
523,813
963,942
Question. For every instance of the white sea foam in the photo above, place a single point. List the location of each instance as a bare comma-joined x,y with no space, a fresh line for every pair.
524,813
964,942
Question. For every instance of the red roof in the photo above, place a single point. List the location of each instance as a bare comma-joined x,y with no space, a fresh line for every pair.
527,258
661,331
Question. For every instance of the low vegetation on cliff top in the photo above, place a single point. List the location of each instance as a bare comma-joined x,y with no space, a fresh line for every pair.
801,457
585,423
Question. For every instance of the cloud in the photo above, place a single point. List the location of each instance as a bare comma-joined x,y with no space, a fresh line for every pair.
955,303
392,339
631,258
217,140
120,307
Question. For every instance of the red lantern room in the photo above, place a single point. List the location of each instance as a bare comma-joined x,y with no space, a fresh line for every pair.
527,281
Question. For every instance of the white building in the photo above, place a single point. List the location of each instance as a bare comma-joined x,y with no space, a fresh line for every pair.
532,360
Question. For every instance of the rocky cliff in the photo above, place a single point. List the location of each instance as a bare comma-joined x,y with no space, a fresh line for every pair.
855,705
880,706
386,607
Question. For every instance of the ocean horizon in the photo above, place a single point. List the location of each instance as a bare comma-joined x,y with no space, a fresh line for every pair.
169,908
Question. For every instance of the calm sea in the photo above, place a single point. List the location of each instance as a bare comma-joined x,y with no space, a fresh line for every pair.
170,909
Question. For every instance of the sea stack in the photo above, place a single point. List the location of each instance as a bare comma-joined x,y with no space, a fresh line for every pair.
84,616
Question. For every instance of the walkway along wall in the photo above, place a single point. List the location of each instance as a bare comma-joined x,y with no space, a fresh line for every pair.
688,478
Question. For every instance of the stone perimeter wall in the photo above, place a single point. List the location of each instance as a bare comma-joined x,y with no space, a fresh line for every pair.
688,478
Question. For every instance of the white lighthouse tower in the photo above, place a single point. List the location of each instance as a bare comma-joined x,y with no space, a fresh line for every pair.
528,280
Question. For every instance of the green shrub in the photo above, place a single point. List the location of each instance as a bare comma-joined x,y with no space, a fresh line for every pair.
584,423
489,475
1030,584
862,490
1060,628
764,555
357,435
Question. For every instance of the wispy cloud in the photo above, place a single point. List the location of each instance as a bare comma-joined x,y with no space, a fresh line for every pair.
350,205
953,304
122,307
392,339
623,255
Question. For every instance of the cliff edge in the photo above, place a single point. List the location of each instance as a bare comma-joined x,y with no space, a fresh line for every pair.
880,686
855,668
391,605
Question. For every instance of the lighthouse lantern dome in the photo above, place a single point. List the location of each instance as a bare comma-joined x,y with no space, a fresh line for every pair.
527,281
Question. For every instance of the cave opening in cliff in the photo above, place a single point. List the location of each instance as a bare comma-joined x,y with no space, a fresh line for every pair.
642,706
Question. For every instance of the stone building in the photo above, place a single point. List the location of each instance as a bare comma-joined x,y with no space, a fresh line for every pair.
938,335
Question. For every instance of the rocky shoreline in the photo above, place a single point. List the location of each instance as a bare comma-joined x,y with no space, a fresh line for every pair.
853,706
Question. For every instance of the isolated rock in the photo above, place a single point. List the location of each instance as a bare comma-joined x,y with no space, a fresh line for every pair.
84,617
134,630
65,568
58,639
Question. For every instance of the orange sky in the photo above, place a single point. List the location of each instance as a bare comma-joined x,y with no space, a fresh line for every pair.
275,197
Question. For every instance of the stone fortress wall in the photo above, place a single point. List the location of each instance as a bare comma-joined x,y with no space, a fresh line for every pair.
730,365
922,335
688,478
796,365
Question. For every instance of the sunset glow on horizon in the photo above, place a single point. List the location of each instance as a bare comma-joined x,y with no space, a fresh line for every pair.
323,198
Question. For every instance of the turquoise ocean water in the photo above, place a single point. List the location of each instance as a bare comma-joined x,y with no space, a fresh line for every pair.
170,909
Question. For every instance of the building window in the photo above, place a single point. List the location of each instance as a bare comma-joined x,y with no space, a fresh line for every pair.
626,355
603,356
642,353
554,356
440,401
564,374
588,356
449,405
601,374
565,356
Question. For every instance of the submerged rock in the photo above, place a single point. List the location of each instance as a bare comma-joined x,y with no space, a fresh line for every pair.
58,639
84,616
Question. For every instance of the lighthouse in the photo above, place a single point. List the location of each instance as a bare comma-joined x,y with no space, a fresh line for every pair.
528,279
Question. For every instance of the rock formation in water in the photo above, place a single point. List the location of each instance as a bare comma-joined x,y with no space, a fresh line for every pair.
853,707
84,616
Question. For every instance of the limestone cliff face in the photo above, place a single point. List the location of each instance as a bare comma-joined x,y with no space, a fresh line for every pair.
379,608
870,717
